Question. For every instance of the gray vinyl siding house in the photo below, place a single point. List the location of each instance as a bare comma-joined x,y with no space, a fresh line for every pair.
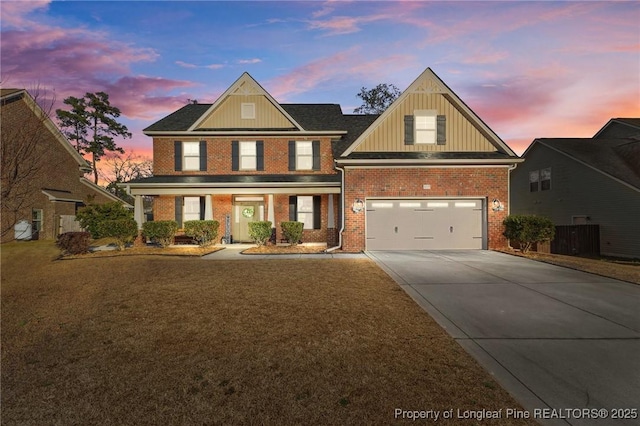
581,182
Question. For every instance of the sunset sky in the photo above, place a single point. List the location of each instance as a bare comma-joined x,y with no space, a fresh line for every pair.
528,69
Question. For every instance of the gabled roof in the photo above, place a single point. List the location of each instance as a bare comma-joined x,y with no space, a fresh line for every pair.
244,84
616,158
180,120
7,95
630,126
429,82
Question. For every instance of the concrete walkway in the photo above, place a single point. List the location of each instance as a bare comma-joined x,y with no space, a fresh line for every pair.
555,338
234,252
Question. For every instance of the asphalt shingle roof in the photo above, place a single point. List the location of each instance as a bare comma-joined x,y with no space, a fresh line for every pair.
619,158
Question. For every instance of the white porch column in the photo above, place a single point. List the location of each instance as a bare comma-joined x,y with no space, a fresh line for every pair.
208,207
331,217
138,211
270,212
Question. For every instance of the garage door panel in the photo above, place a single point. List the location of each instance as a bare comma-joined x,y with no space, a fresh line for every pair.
424,224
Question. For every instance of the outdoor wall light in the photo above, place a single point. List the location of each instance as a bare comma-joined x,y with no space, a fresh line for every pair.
496,205
357,206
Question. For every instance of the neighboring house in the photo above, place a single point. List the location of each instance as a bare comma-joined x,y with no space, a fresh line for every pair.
582,181
42,176
428,173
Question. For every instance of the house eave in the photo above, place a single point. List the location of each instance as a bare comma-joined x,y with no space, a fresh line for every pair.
426,162
256,133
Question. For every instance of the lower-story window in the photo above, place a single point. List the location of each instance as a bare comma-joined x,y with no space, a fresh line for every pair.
191,208
36,220
305,209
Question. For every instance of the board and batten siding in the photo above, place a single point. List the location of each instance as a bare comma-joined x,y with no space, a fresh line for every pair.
577,190
228,116
461,134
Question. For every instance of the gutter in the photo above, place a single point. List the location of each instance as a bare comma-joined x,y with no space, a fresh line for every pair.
342,213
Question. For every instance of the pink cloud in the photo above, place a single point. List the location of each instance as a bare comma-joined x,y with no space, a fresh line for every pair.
341,66
14,13
185,64
249,61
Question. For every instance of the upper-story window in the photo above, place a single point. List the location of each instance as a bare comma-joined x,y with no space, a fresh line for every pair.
248,111
191,152
304,155
247,155
190,156
540,180
425,127
545,179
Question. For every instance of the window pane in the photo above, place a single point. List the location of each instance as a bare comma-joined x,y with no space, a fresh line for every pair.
307,219
192,163
192,206
248,163
304,148
304,163
191,148
425,136
305,204
247,148
425,122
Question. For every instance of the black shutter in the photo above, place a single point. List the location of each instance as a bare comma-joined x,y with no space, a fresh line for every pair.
293,210
235,156
179,211
259,155
317,214
316,154
177,155
292,155
202,207
442,129
408,129
203,156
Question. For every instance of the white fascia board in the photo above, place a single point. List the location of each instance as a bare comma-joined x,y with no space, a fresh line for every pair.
54,198
252,190
427,162
256,133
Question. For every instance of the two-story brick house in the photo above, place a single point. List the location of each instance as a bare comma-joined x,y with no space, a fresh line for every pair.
43,181
425,174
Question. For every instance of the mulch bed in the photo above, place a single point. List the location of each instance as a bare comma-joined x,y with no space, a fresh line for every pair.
147,251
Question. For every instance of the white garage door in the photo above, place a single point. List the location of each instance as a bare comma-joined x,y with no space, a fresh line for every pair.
434,224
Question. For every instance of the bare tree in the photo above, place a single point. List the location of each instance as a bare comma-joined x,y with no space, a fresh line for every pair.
118,168
24,122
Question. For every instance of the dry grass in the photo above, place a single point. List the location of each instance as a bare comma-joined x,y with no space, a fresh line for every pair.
625,271
178,340
285,249
148,251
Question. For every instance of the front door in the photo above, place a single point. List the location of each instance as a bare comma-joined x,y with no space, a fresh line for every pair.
246,210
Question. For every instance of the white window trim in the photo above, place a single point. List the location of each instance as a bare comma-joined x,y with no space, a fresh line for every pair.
185,156
37,220
255,155
299,156
432,132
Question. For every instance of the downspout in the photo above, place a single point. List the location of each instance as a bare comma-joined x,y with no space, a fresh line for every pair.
342,213
510,169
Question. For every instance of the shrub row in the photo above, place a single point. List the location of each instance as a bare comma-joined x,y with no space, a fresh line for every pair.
528,229
160,231
204,232
124,231
292,231
260,231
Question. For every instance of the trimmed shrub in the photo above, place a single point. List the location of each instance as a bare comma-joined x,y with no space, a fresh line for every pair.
124,231
528,229
90,216
292,231
160,231
260,231
74,242
204,232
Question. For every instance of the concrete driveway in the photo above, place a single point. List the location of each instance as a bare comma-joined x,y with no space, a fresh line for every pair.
555,338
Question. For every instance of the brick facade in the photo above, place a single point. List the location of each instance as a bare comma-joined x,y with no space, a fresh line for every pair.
483,182
276,160
58,170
